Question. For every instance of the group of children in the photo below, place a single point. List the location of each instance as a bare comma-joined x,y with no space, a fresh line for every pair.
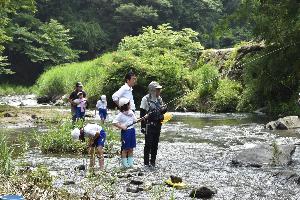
125,121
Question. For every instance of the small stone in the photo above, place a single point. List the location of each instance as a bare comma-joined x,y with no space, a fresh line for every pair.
8,115
34,116
140,174
69,183
176,179
132,190
136,182
80,167
202,192
147,186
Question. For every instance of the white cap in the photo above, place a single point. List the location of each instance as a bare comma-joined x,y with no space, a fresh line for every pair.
103,97
155,85
75,133
123,101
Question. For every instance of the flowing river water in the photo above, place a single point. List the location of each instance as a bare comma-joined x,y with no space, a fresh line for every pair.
195,146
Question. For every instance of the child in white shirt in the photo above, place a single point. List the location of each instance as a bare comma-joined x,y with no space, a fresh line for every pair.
124,121
101,106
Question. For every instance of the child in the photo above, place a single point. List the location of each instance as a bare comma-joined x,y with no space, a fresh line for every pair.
102,108
96,136
123,119
81,106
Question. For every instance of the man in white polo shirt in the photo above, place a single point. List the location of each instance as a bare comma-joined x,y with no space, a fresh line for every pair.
126,90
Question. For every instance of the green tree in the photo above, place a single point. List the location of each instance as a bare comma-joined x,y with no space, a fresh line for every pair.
7,9
273,80
48,44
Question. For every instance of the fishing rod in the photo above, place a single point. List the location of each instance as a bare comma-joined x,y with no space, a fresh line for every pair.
213,79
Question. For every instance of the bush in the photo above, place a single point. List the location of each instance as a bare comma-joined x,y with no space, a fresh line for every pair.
58,140
166,69
204,81
227,96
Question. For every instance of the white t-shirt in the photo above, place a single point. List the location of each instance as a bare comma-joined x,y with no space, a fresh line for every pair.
124,91
126,118
101,104
90,130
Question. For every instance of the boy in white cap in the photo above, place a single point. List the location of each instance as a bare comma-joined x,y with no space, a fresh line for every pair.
124,121
101,106
97,137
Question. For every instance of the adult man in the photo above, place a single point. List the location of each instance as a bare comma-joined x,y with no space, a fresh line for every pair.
152,105
73,96
126,90
97,137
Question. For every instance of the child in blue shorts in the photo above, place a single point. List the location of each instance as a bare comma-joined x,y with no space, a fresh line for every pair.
97,137
101,106
123,119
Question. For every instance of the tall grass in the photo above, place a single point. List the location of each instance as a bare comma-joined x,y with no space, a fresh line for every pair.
10,89
61,79
6,166
58,139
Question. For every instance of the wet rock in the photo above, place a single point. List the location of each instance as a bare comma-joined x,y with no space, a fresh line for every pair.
34,116
8,115
140,174
79,167
134,189
69,182
264,155
176,179
59,102
136,182
285,123
43,99
202,192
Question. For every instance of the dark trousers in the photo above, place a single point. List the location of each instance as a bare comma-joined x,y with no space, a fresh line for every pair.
151,143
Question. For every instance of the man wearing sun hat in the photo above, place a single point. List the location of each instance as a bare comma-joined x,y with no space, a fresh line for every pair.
97,137
73,96
152,104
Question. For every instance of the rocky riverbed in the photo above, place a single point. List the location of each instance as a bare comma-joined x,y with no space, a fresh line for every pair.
200,148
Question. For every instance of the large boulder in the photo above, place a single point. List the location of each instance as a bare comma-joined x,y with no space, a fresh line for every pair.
261,155
285,123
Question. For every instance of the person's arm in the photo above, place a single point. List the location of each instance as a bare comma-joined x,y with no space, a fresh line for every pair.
116,122
117,95
120,126
143,111
71,98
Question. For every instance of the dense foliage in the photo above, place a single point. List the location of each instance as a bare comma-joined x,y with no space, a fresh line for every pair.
273,81
35,34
